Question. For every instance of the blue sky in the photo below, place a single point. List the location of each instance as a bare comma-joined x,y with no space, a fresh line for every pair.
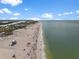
39,9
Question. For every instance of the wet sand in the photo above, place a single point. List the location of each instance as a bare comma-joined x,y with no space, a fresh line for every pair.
30,44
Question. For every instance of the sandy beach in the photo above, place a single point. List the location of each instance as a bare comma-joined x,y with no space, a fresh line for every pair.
30,44
40,45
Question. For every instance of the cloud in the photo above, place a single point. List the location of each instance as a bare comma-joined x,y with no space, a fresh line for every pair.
16,14
34,18
6,10
12,2
1,12
47,16
44,16
60,14
26,9
65,13
77,11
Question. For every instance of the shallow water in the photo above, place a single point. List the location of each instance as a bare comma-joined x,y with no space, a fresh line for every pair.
62,39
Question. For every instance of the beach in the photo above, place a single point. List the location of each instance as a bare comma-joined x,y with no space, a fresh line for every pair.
41,45
30,44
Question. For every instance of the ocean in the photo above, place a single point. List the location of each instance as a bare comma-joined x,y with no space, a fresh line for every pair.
62,39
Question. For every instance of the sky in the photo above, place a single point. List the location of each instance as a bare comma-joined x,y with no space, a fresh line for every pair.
39,9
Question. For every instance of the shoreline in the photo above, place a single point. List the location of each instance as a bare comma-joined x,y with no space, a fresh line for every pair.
48,54
41,54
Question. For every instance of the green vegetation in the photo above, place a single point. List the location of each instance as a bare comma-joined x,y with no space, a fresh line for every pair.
7,27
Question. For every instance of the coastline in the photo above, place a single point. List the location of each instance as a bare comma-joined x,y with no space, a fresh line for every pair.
48,53
40,45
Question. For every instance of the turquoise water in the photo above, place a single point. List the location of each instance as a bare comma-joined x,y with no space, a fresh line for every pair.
62,38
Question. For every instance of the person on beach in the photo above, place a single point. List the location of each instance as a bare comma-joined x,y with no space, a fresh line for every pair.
14,42
14,56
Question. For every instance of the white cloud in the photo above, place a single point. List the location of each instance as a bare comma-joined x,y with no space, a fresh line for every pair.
59,14
65,13
47,16
6,10
26,9
12,2
1,12
44,16
16,14
77,11
34,18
